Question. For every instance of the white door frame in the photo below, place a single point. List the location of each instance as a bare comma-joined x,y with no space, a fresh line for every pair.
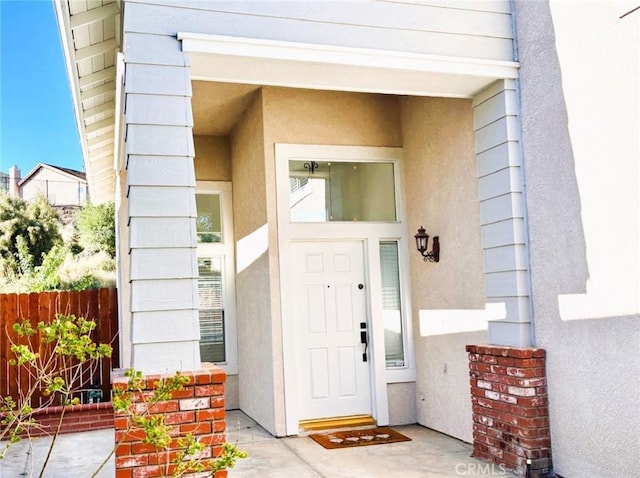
370,234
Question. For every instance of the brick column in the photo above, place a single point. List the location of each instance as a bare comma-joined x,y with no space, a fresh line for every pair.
510,408
197,409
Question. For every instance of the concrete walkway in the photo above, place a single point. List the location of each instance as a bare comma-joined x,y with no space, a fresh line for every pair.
428,455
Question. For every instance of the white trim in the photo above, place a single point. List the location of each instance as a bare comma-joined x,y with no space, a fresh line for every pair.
290,64
371,234
225,250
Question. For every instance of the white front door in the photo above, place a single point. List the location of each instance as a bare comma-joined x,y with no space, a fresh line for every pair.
330,314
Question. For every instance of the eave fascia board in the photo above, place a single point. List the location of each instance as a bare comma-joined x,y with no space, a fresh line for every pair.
305,53
63,17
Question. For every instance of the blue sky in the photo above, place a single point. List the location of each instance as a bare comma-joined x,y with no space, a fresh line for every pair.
36,113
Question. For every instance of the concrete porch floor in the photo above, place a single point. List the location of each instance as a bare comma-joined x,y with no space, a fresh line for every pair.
429,454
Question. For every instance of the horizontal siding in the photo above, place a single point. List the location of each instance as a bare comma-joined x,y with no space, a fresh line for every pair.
176,325
162,202
157,263
157,140
498,157
160,171
153,295
160,357
159,110
500,208
497,6
506,284
502,212
148,232
506,258
499,183
157,79
503,233
403,27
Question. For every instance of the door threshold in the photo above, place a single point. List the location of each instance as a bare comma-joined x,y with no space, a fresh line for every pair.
352,421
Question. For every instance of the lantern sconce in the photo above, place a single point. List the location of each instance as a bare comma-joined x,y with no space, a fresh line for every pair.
422,243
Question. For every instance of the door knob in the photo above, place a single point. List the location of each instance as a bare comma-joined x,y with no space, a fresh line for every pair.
360,286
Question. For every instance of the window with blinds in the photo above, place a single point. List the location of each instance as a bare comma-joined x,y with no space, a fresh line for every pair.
391,304
211,297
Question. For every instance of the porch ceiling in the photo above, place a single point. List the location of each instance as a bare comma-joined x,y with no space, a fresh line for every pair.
90,34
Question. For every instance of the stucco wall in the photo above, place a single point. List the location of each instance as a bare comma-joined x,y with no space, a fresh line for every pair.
253,288
213,158
324,117
442,195
580,109
329,117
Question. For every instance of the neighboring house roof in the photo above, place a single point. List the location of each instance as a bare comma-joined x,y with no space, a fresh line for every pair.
72,173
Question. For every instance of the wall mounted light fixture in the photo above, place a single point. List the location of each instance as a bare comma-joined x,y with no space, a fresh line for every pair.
422,243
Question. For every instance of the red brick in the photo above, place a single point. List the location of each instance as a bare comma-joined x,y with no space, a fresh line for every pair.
209,390
508,399
533,401
506,361
151,381
148,472
132,435
210,414
525,411
216,439
489,359
509,380
510,460
142,448
217,402
179,417
219,427
539,353
480,428
164,407
482,367
203,379
219,376
529,362
543,442
184,393
131,461
485,402
162,458
123,449
124,473
521,372
521,353
196,428
499,369
474,357
541,390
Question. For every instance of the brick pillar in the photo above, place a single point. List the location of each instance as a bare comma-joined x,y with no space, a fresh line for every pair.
510,408
197,409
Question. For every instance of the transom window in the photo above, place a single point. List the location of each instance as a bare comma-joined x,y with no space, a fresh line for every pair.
324,191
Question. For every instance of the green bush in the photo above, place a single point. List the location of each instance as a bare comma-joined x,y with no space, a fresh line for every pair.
28,231
95,225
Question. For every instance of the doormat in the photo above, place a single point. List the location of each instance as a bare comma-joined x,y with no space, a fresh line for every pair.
351,438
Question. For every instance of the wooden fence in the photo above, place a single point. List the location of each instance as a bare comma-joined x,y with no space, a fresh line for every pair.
99,305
